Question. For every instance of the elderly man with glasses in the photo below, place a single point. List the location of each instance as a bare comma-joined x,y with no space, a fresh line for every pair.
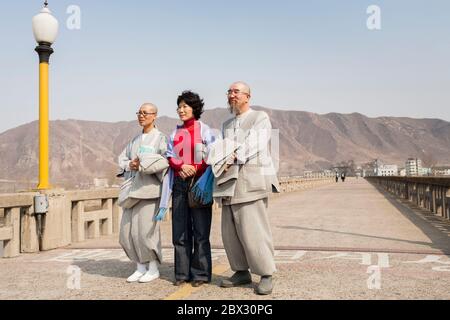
246,233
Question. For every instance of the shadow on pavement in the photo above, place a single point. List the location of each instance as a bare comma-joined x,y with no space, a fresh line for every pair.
422,219
353,234
114,268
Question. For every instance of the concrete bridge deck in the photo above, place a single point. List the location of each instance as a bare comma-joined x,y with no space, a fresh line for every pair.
340,241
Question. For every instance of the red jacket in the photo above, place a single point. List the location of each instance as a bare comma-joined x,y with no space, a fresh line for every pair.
189,134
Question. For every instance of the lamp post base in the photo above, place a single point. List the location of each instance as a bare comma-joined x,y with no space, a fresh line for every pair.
44,50
44,186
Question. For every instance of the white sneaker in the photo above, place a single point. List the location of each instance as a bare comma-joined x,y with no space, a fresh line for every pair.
149,276
135,276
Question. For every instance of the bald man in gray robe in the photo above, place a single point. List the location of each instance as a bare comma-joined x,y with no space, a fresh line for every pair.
246,232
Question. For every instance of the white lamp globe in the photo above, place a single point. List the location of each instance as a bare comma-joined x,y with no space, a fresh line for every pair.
45,27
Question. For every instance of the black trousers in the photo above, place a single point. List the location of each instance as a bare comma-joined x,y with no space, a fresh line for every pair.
190,236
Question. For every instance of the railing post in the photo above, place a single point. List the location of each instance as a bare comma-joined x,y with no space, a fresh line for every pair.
440,200
116,216
12,246
433,199
444,202
416,194
29,242
93,229
407,190
107,224
447,197
77,221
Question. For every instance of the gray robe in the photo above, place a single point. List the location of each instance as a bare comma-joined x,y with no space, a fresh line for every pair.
139,235
246,233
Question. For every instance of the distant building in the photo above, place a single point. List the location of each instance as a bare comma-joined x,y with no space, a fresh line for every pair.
101,183
440,171
319,174
359,172
413,167
382,170
425,172
402,172
386,170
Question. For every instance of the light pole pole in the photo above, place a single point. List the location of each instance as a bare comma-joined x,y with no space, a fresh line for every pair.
45,30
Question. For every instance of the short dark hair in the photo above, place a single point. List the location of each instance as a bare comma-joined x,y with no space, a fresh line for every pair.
194,101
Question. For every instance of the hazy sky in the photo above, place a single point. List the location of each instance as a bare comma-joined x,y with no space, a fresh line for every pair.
315,55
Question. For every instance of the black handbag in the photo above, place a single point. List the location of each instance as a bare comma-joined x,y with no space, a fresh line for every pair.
192,202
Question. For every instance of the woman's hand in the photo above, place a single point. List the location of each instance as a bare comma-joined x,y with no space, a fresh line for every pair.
134,164
188,171
183,175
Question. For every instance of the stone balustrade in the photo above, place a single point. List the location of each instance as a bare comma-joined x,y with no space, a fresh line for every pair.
77,215
17,210
431,193
295,184
91,224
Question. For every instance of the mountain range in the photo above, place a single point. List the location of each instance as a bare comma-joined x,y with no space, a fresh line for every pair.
84,150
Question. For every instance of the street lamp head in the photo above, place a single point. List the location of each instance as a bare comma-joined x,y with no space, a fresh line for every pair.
45,26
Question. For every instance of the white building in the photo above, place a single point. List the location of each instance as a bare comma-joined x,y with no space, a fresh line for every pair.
319,174
383,170
425,171
413,167
387,170
441,171
101,183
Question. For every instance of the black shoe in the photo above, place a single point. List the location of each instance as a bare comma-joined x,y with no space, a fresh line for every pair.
179,282
238,279
198,283
265,286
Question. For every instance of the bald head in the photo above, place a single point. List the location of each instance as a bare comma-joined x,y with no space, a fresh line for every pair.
242,86
149,107
147,115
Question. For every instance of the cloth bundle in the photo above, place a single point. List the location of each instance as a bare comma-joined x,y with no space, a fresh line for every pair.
220,155
124,200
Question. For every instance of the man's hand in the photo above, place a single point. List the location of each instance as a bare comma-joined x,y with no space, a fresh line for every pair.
231,162
134,164
188,171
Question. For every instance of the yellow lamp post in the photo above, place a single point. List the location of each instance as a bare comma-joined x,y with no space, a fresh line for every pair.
45,30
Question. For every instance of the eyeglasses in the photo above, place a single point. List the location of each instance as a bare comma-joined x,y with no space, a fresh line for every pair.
235,92
144,114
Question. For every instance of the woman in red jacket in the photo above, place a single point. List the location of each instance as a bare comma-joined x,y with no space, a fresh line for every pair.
190,227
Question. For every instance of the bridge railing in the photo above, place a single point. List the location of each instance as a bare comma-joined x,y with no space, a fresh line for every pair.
431,193
288,184
16,208
90,223
76,215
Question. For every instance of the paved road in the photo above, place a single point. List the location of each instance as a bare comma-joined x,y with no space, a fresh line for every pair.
339,241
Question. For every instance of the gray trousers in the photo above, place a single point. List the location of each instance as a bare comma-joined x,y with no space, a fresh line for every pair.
140,236
247,237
